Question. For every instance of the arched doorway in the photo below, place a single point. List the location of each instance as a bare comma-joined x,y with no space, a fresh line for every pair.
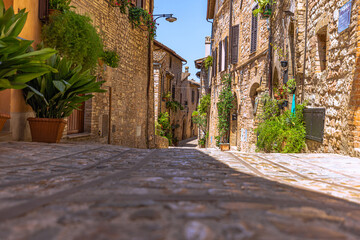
254,97
234,123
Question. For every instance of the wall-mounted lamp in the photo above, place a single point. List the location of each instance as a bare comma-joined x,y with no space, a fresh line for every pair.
169,17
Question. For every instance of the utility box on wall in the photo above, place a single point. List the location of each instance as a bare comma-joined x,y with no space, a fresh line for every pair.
314,119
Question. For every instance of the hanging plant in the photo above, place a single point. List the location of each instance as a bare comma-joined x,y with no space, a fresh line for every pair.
264,8
111,58
60,5
137,16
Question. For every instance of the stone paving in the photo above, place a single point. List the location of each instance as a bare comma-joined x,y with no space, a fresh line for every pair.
80,192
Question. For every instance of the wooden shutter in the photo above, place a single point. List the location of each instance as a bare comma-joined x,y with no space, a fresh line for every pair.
140,3
220,56
43,10
254,29
234,44
226,53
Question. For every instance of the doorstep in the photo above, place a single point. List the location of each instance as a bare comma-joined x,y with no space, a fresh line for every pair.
78,135
5,136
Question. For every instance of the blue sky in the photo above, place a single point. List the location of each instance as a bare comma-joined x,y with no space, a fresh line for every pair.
187,35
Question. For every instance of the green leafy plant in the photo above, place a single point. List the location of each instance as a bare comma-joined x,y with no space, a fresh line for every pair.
290,86
75,38
270,108
208,62
174,106
224,107
19,62
283,133
163,127
263,7
111,58
56,95
61,5
137,16
200,116
166,95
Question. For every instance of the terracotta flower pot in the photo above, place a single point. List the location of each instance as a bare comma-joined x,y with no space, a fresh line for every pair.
225,146
54,11
3,119
46,130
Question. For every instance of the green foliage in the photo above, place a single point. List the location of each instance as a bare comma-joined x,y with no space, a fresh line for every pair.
204,105
283,133
137,16
61,5
199,117
166,95
111,58
174,106
224,107
262,7
290,86
56,95
208,62
163,126
75,38
19,62
270,108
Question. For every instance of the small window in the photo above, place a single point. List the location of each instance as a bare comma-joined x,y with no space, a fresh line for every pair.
140,3
173,92
193,96
170,62
322,49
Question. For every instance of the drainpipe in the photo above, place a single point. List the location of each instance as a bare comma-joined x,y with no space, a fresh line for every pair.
270,58
305,50
148,85
230,33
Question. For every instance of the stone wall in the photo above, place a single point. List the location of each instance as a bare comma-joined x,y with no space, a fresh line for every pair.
249,75
129,99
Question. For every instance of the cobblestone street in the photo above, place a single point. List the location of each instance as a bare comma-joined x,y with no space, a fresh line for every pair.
69,191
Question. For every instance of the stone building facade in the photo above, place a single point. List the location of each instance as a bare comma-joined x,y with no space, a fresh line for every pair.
169,78
239,48
124,115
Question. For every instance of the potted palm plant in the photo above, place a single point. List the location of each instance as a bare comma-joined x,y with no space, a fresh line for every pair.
19,62
54,96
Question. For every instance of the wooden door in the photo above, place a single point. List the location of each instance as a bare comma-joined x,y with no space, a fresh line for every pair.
76,121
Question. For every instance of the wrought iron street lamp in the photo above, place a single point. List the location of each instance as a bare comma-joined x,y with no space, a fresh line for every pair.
169,17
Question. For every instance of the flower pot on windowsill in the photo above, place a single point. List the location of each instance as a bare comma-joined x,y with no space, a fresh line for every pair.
46,130
225,146
3,119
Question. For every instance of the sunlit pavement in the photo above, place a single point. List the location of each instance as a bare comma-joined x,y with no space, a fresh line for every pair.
331,174
107,192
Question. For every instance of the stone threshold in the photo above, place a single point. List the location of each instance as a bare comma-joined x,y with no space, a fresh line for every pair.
78,135
5,136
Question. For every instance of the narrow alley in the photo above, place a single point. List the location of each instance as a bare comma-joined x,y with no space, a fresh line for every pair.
68,191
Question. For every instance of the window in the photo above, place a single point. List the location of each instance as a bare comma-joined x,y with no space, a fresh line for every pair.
173,92
225,54
322,49
254,29
234,44
170,62
220,56
193,96
140,3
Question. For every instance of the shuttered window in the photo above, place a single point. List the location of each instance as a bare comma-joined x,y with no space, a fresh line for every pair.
215,62
234,44
43,10
226,53
140,3
220,56
254,30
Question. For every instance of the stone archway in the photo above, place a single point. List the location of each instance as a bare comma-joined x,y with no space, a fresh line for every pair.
254,97
234,123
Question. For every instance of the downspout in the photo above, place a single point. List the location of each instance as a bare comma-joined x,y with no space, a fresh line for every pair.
270,58
110,113
148,85
305,50
230,34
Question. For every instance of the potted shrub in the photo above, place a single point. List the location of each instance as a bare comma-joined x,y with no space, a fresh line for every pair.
59,6
19,62
202,142
224,107
54,96
74,37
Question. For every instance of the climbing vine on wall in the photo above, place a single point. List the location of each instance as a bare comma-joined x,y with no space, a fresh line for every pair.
224,107
137,16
